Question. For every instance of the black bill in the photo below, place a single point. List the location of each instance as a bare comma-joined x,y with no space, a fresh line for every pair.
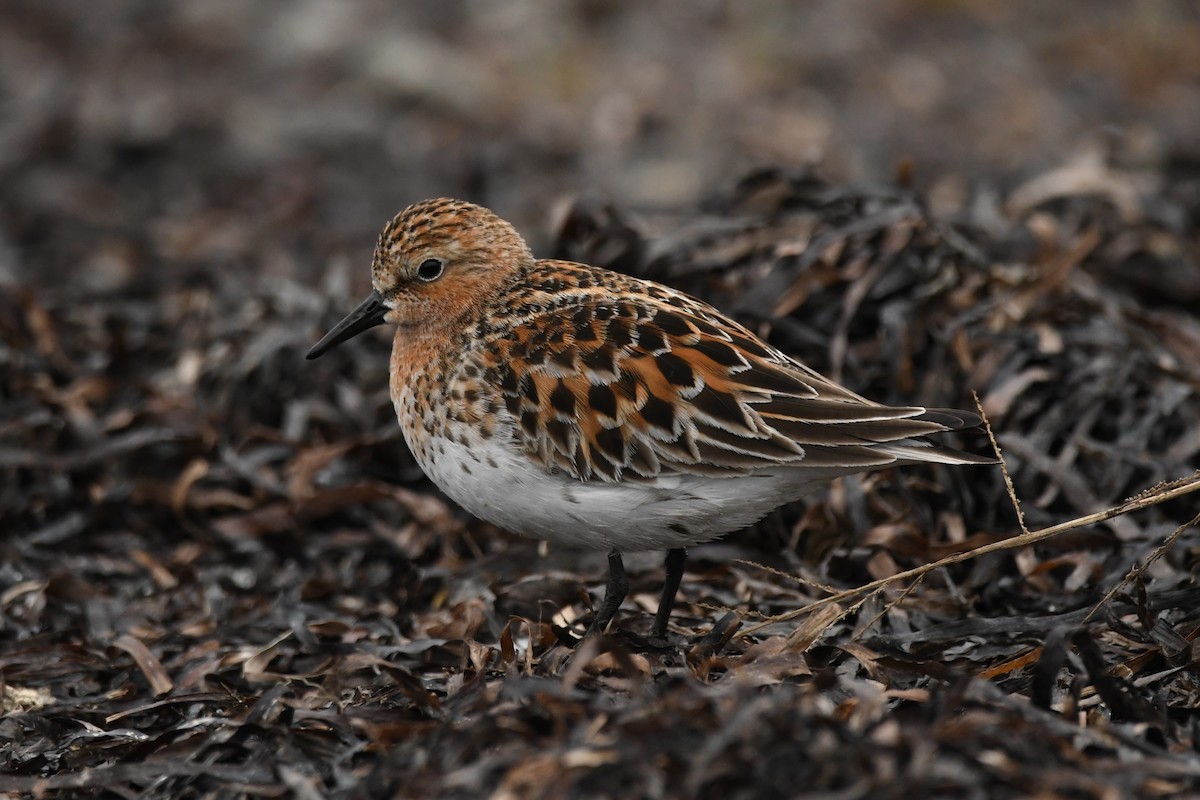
368,314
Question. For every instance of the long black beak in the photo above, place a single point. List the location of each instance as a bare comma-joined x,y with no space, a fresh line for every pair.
368,314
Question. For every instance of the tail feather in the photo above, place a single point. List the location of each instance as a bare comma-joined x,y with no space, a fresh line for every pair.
915,451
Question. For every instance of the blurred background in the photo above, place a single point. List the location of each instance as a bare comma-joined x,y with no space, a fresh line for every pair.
142,138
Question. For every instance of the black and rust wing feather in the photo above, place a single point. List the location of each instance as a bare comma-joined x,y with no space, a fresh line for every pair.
647,383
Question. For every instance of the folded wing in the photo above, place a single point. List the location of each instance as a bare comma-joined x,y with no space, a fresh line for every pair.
657,384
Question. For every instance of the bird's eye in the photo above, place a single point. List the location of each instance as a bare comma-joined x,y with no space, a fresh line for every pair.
430,269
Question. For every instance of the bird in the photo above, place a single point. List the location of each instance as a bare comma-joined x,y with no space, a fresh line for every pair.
582,406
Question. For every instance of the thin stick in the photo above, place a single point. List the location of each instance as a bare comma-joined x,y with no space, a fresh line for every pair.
1138,569
1160,494
1008,482
900,599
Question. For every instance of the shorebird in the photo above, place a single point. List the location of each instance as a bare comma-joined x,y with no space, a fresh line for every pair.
579,405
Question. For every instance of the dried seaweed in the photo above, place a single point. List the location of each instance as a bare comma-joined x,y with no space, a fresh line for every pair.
221,572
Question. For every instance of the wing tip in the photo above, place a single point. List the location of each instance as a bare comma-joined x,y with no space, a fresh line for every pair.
952,419
921,450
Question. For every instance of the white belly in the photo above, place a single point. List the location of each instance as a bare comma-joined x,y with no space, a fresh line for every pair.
496,482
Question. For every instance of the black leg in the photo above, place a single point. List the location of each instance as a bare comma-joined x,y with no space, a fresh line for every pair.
676,558
614,593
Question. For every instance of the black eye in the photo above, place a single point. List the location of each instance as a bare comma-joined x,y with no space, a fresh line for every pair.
430,269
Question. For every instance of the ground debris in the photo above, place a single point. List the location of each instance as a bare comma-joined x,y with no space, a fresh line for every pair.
222,573
220,588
